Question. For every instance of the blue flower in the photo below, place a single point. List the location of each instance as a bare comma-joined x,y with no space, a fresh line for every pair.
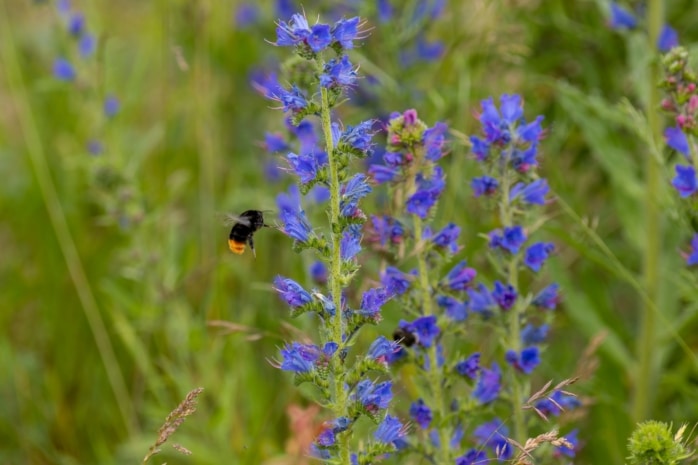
304,166
479,147
455,309
497,131
246,14
531,132
537,254
350,244
420,413
534,334
504,295
395,281
523,160
389,430
87,45
572,439
319,453
481,301
692,256
386,229
358,137
292,100
345,31
299,358
685,182
63,70
284,8
472,457
511,108
548,298
382,173
338,73
484,185
469,367
621,18
428,192
318,272
95,147
385,11
266,84
533,193
668,39
373,299
511,240
382,349
433,140
111,105
274,142
326,438
354,190
493,435
297,31
488,384
526,361
292,217
676,139
76,24
447,238
556,403
373,397
426,330
460,277
291,292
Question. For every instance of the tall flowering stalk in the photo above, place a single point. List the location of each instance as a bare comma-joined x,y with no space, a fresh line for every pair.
345,388
445,303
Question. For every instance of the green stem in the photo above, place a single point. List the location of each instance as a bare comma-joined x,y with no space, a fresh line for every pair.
645,349
434,377
335,278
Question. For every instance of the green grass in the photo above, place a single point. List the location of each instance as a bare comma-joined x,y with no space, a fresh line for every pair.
113,267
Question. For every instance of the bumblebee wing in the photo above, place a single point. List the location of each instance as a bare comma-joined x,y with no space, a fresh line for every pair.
231,220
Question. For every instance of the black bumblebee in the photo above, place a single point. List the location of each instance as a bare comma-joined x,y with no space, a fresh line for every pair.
404,337
244,227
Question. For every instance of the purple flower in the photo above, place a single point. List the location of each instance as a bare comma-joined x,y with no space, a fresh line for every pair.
488,384
526,361
87,45
556,403
63,70
455,309
548,298
390,430
95,147
504,295
76,24
429,51
668,39
266,84
386,228
274,142
493,435
447,238
307,138
382,349
572,439
534,334
291,292
326,438
484,185
373,299
420,413
382,173
497,131
292,100
428,192
354,190
481,301
479,147
426,330
284,8
299,358
460,277
297,31
292,217
531,132
685,182
676,139
470,366
511,240
319,453
385,11
537,254
338,73
304,166
433,140
472,457
621,18
533,193
111,105
358,137
511,108
395,281
373,396
318,272
345,31
692,256
350,244
524,160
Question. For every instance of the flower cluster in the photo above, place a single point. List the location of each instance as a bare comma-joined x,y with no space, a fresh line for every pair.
681,104
621,18
349,390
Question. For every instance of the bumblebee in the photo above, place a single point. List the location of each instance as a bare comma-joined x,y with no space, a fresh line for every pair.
403,337
244,227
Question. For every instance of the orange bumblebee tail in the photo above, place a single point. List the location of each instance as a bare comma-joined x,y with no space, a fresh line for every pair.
236,247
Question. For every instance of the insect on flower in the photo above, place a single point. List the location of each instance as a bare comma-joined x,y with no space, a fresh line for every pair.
243,228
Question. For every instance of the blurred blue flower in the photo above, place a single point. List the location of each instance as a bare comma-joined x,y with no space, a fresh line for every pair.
63,70
469,367
345,31
572,439
372,396
293,220
284,8
531,132
447,238
556,403
299,358
338,73
548,298
677,140
304,166
354,190
318,272
534,334
382,349
504,294
373,299
511,239
525,362
382,173
385,11
488,384
537,254
461,276
533,193
76,24
274,143
111,105
484,185
668,39
420,413
87,45
291,292
246,14
292,100
428,192
685,182
481,301
426,330
480,148
621,18
472,457
389,430
692,256
395,281
95,147
350,244
494,435
454,308
524,160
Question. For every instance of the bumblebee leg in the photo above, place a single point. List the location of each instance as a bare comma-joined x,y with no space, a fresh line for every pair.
250,241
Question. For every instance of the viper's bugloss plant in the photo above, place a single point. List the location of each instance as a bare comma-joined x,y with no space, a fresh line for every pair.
681,104
462,395
349,385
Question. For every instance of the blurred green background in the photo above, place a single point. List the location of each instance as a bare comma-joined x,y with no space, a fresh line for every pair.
118,292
